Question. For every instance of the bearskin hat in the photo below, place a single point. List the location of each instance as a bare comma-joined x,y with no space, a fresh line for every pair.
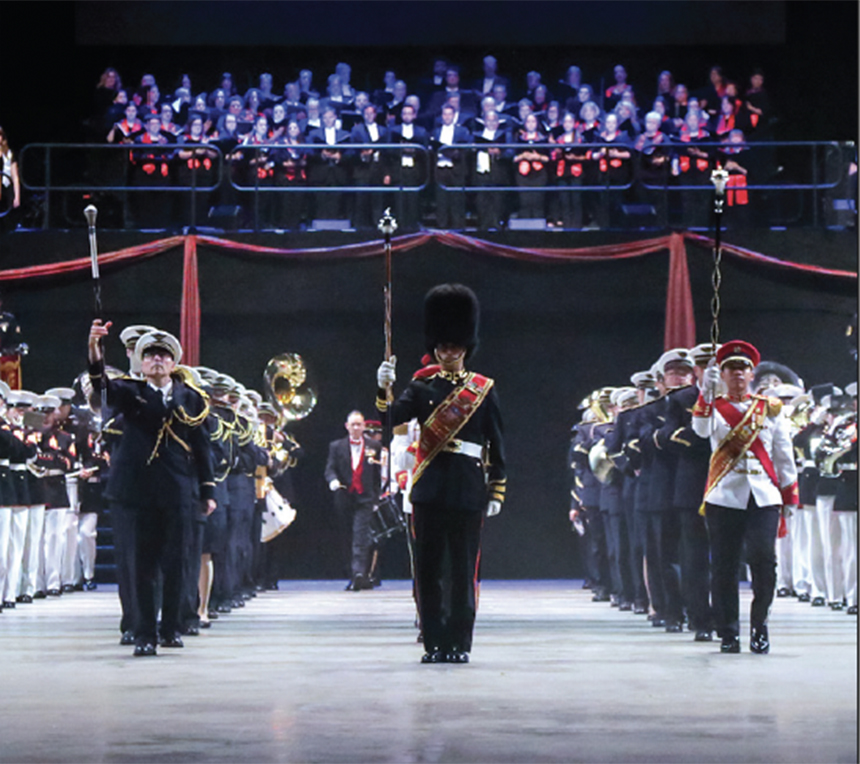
451,316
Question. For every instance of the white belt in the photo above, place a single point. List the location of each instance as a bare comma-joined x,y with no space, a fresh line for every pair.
846,466
4,462
748,472
465,448
54,473
18,467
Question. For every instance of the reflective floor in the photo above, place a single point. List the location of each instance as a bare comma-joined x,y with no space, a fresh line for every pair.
311,673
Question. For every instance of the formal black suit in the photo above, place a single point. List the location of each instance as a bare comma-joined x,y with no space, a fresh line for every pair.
354,508
369,169
491,170
161,468
450,173
408,167
325,168
449,501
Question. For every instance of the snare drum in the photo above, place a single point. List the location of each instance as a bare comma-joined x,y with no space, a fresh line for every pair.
386,521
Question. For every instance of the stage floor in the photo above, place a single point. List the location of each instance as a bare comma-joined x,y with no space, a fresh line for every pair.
311,673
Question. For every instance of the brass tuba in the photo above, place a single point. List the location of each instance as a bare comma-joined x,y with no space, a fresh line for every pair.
838,439
287,387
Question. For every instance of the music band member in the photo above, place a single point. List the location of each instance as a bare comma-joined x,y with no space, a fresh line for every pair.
752,477
459,473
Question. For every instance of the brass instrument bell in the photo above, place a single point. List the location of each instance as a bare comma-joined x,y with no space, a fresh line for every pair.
287,387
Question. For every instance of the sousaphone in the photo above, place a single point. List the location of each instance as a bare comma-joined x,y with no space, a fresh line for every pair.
287,387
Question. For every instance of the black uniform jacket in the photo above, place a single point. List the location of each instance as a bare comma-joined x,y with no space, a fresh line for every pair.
694,453
454,481
163,456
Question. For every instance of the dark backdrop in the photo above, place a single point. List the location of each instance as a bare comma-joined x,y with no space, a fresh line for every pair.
549,335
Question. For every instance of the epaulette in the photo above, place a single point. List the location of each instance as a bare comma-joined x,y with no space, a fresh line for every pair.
774,405
187,378
427,371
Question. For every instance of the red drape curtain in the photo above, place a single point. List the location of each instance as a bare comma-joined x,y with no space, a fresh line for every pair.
680,328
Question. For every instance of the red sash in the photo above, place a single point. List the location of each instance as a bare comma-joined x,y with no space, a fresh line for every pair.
448,419
742,438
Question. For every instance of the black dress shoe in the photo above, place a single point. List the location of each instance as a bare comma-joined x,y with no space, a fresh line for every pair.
8,605
54,592
212,615
39,595
837,605
435,655
224,608
803,597
730,645
818,602
144,650
238,602
674,627
852,610
456,656
78,587
25,599
625,606
658,623
783,591
174,641
191,631
205,624
361,583
127,638
600,596
90,585
68,588
640,609
703,635
759,642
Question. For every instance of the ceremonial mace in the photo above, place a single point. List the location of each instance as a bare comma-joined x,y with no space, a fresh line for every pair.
388,225
91,213
719,178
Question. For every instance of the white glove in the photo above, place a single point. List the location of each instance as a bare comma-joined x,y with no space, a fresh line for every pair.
385,375
710,383
493,508
334,484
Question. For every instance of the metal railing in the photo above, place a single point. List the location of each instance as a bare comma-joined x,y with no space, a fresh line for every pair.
801,172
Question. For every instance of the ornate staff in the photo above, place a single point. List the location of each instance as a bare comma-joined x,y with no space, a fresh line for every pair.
388,225
91,213
719,178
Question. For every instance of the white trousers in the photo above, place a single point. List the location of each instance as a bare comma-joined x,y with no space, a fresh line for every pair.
15,556
817,560
5,532
87,531
784,556
831,534
56,521
801,533
33,578
848,553
70,547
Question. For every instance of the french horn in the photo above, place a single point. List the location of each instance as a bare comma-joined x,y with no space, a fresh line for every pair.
287,387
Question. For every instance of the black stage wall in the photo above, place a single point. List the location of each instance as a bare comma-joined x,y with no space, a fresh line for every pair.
550,334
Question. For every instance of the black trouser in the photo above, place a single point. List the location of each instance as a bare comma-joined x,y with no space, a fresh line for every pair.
729,531
661,553
619,557
635,548
194,529
599,556
354,512
451,539
123,525
695,569
158,548
450,204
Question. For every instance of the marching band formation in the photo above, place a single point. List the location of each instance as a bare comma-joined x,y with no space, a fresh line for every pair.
710,453
63,465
